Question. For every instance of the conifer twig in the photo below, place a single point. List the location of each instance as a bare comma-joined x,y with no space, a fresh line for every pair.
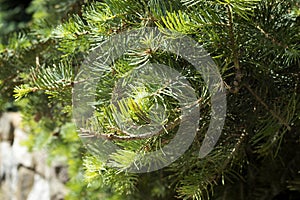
127,136
234,48
92,134
270,37
273,113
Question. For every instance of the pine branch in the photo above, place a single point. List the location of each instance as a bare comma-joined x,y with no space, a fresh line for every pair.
273,113
234,48
271,38
8,79
196,184
129,136
92,134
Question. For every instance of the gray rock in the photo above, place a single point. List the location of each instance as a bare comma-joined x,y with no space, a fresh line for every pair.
25,175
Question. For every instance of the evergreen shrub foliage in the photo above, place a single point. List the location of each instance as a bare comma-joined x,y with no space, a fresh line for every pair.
255,45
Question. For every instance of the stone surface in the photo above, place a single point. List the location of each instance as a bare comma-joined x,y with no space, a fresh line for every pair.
22,175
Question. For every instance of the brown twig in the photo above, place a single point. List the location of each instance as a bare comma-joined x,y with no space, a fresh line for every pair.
92,134
32,169
273,113
271,38
234,48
